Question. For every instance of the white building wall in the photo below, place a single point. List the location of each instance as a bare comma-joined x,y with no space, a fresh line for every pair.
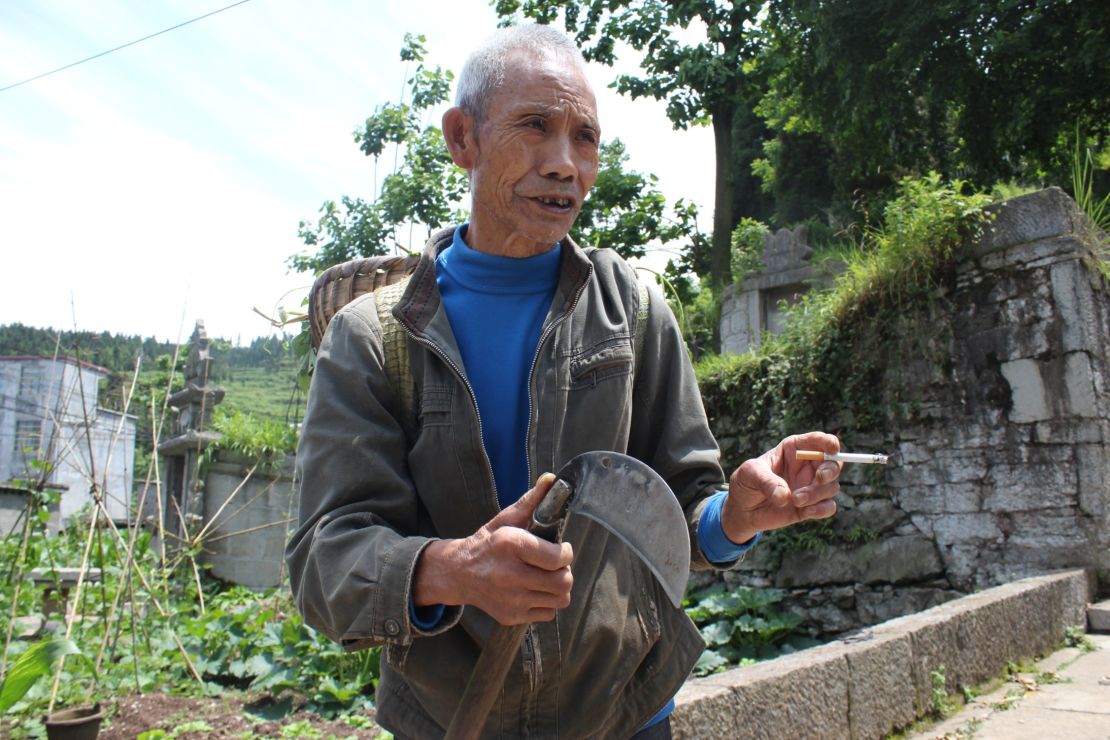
50,406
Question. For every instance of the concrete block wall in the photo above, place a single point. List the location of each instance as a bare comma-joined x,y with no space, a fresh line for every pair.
246,536
877,681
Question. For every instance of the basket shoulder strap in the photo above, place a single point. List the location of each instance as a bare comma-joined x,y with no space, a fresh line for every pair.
643,310
395,346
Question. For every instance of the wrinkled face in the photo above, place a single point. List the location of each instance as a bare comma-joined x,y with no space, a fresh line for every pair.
536,157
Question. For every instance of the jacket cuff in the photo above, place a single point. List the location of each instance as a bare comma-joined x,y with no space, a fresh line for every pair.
715,543
709,543
389,617
449,615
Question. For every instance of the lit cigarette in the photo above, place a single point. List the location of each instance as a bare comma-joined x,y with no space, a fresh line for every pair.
844,457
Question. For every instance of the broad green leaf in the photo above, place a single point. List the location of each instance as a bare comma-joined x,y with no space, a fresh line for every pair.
709,662
38,661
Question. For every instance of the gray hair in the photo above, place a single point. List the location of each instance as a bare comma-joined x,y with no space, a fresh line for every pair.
484,70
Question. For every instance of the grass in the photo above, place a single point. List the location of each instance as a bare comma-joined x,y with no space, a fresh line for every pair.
265,393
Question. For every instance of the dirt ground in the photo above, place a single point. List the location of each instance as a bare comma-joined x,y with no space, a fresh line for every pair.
223,717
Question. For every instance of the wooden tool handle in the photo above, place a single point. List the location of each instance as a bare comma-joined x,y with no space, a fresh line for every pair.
503,643
485,682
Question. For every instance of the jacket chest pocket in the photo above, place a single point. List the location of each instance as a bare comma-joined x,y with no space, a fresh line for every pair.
601,364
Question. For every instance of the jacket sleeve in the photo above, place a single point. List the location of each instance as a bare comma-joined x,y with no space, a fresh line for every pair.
352,557
669,430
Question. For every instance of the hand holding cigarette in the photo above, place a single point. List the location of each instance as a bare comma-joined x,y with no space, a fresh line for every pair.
780,488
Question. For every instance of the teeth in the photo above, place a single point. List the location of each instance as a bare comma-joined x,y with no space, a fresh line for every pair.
561,202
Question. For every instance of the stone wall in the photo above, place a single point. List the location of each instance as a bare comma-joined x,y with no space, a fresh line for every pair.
1000,467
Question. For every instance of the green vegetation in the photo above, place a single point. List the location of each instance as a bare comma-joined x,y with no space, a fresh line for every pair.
941,704
152,629
831,354
747,248
265,440
741,626
1076,637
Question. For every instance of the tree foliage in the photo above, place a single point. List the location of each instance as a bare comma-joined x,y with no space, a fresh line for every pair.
626,211
982,90
422,190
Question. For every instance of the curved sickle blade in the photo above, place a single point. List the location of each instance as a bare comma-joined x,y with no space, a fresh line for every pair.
633,502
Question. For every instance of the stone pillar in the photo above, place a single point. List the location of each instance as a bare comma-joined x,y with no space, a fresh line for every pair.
183,503
758,304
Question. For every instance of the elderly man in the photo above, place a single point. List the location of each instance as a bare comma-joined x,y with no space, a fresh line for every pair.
524,351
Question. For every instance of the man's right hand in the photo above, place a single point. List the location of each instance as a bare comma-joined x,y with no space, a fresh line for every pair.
502,569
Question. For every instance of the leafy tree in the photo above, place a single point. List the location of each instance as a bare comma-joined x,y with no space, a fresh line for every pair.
626,212
422,190
706,82
982,90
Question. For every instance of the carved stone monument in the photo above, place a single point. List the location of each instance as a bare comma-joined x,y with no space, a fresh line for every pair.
183,505
758,304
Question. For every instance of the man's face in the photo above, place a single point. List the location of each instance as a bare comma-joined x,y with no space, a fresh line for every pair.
537,157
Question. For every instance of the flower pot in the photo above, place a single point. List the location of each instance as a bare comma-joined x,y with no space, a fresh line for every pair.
79,723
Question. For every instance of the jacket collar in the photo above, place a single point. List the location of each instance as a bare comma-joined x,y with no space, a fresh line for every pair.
421,301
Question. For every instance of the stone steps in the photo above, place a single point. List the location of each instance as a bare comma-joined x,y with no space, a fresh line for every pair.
1098,617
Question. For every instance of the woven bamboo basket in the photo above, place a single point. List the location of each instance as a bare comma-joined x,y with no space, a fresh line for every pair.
338,285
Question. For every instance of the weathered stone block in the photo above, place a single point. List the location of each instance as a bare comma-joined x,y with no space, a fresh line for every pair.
888,603
1093,466
1080,385
1068,432
799,695
1026,391
919,499
1098,617
1027,218
1028,486
1071,290
880,684
872,515
889,560
965,528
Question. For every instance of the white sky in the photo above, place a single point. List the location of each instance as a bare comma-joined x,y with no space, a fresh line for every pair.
164,182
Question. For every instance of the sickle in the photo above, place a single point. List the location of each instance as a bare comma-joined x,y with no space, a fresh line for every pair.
628,499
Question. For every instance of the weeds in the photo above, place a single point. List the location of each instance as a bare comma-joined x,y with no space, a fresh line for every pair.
1076,637
941,704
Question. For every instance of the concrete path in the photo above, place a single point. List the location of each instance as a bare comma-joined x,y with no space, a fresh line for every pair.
1066,696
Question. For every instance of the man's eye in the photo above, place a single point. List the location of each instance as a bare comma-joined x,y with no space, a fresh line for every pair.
536,123
588,136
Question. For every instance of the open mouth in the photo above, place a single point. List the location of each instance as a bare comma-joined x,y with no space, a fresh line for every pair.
562,204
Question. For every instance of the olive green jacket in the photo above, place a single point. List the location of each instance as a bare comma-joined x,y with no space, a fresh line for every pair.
375,490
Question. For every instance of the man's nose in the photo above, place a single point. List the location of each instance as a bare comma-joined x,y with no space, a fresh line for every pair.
558,159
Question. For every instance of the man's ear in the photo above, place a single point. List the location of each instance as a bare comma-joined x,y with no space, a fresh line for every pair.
460,131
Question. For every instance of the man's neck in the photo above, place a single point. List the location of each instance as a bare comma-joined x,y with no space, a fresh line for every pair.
510,245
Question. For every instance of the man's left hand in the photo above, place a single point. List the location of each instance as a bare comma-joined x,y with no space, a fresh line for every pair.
776,489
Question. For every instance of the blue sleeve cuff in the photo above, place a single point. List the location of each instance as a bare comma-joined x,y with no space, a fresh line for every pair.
715,544
426,618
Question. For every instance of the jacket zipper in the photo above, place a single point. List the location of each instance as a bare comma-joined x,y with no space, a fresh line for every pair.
535,360
531,658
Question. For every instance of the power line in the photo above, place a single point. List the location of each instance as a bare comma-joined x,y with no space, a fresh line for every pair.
123,46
